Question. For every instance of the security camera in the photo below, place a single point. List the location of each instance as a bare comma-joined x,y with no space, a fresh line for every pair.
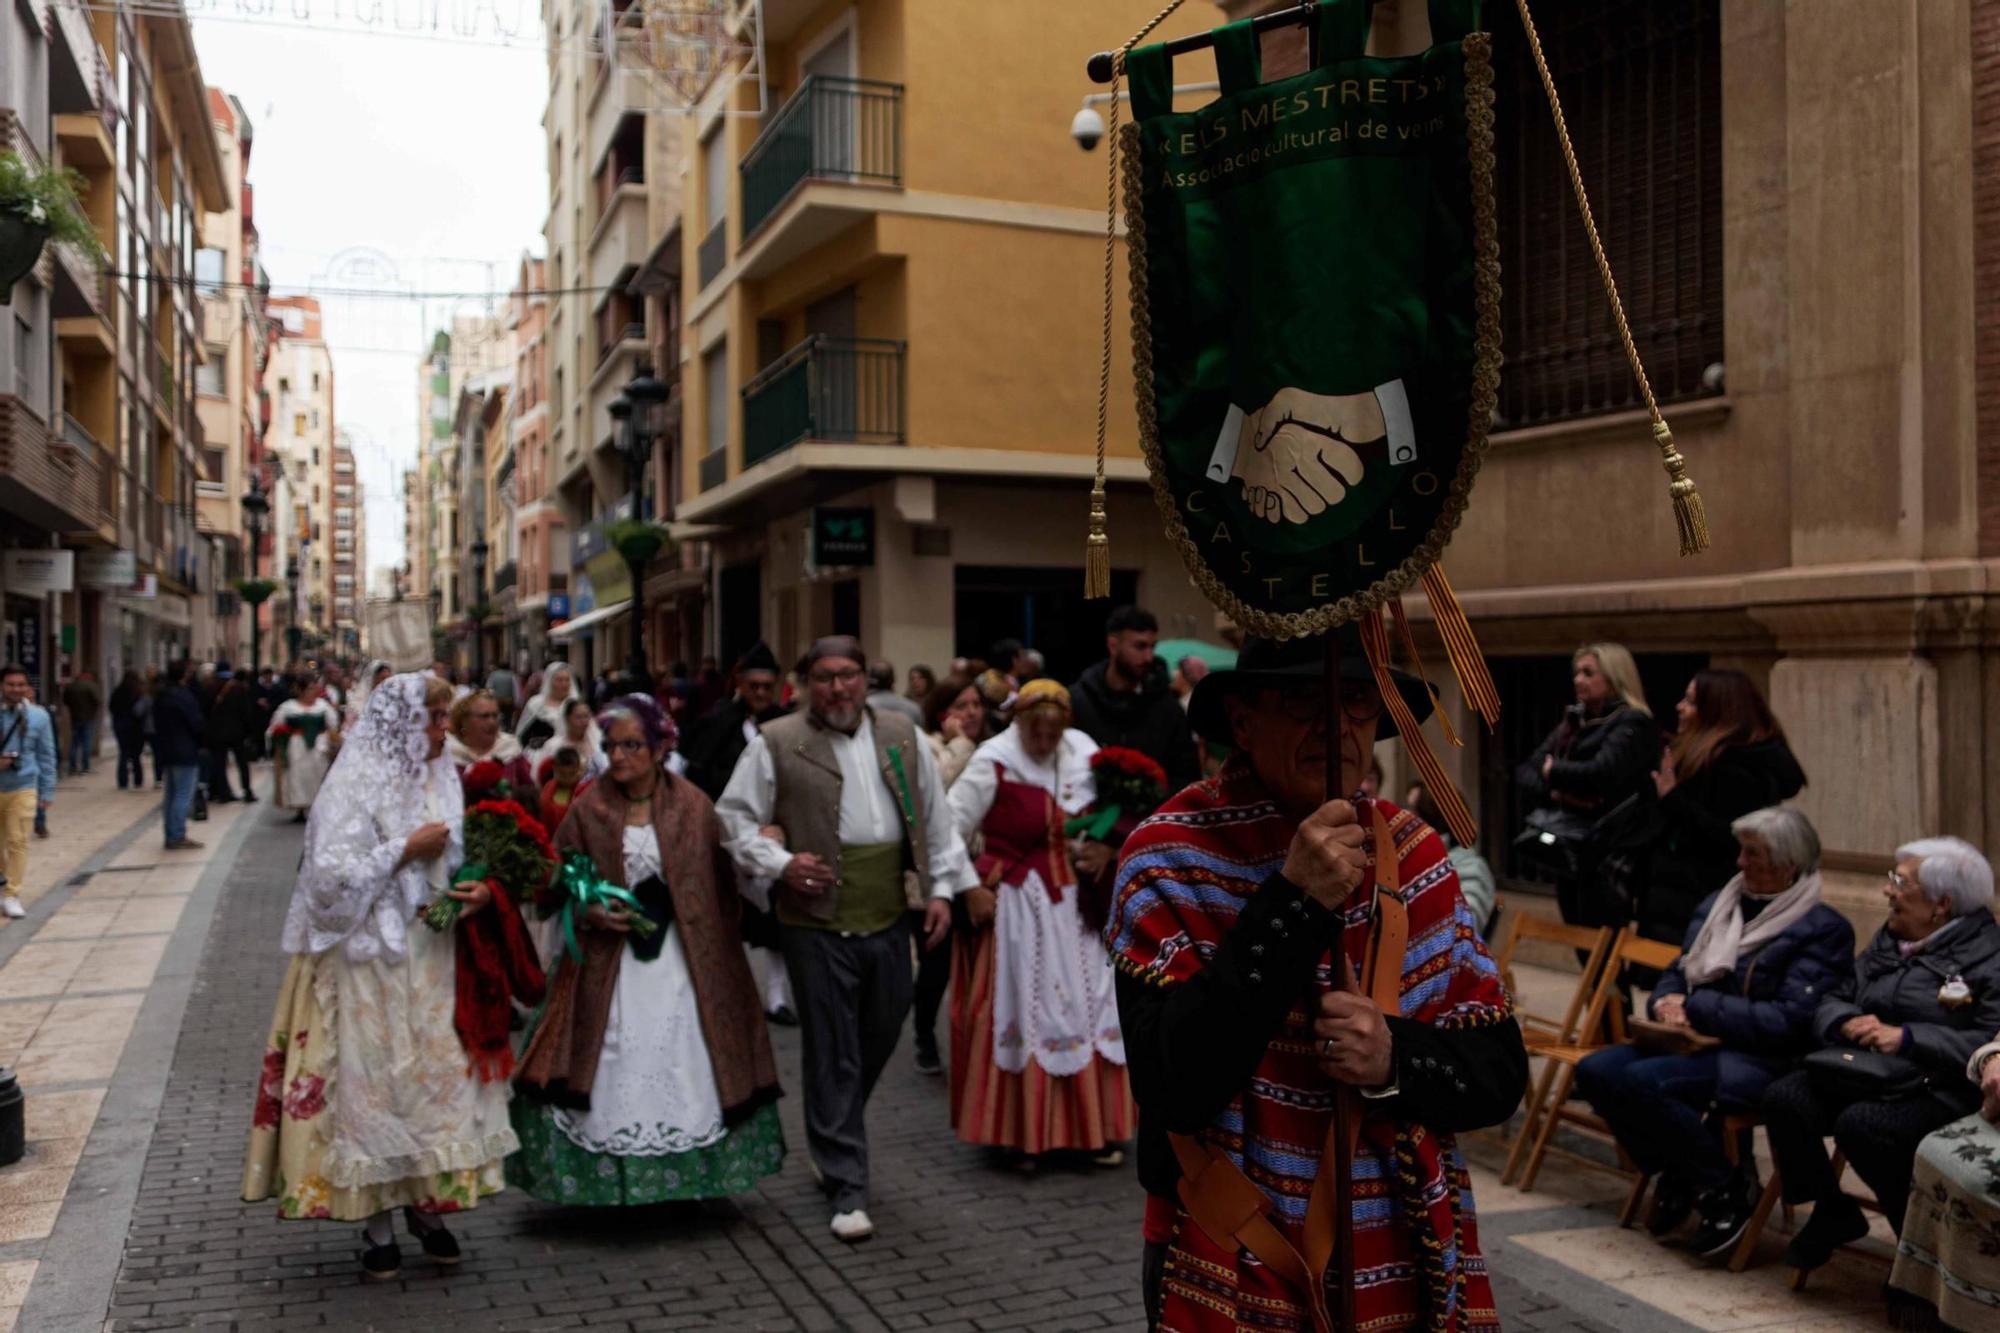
1087,129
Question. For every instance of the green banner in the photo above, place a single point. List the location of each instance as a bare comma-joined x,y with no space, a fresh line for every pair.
1315,313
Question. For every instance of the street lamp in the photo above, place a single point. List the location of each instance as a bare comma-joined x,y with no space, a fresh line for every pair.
292,611
478,610
256,508
634,410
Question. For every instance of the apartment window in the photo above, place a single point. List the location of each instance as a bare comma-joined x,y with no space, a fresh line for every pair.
715,396
208,376
315,415
284,384
1641,85
315,381
212,465
343,517
299,426
208,271
715,178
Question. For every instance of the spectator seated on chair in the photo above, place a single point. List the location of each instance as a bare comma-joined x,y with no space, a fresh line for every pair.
1946,1256
1923,996
1759,956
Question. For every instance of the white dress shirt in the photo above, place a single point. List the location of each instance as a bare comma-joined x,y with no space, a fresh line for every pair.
868,813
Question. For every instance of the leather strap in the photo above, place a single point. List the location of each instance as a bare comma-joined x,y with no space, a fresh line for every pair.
1228,1207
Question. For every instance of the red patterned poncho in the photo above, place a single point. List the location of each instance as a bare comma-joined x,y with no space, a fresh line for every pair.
1186,874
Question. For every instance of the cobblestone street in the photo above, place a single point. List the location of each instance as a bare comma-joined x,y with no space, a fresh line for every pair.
149,1233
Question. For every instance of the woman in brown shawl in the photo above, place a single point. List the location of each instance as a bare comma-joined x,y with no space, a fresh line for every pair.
648,1077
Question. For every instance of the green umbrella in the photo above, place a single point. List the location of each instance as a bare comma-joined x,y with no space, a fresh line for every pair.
1171,651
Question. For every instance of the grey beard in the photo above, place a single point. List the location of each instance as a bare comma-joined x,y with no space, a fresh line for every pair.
845,718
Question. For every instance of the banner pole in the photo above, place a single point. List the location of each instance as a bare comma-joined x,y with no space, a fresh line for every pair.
1344,1109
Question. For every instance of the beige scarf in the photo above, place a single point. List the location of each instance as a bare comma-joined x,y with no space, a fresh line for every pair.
1724,938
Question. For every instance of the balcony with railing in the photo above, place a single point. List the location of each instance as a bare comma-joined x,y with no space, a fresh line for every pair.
847,131
841,389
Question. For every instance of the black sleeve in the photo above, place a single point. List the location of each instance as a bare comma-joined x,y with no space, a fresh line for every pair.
1182,760
1528,774
1192,1047
1627,756
1455,1079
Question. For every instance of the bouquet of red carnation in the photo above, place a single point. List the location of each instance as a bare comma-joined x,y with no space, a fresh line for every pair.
1130,786
486,783
507,849
505,845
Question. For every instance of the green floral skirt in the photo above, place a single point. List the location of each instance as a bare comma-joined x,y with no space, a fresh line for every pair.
553,1169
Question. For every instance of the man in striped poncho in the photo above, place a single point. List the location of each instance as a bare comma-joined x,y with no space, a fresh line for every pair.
1241,1021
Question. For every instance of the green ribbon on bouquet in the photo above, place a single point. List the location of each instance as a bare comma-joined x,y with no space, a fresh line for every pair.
583,888
1094,824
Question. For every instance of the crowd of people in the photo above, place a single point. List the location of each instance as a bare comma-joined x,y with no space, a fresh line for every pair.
1140,918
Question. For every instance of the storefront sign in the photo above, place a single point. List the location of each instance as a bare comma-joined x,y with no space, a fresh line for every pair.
38,573
144,587
28,643
107,569
843,537
558,607
610,577
69,638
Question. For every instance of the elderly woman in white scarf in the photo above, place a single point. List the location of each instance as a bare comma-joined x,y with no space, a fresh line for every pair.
578,730
367,1102
546,704
371,676
1037,1059
1734,1011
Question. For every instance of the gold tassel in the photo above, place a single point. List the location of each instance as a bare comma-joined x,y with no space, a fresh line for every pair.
1467,662
1689,516
1375,645
1097,554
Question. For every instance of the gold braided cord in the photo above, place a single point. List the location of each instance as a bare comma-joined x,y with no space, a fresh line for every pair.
1689,515
1478,48
1097,554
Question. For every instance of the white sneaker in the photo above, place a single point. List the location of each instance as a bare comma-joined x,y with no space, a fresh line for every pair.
852,1225
11,906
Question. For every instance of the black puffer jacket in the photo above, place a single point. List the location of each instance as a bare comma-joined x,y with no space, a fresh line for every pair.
1696,853
1600,758
1149,719
1903,991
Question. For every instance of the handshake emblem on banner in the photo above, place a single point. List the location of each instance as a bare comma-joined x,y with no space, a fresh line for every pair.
1300,454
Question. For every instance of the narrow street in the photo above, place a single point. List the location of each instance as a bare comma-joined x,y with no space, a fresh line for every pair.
134,1001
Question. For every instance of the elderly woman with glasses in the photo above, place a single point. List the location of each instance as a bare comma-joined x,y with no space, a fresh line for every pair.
1037,1059
1760,955
650,1075
485,755
1922,997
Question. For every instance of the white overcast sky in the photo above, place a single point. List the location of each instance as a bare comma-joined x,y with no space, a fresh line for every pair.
386,161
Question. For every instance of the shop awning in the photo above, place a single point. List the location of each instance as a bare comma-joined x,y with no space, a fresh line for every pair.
587,621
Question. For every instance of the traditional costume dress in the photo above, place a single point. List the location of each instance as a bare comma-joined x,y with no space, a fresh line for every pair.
1212,942
546,704
1037,1056
367,1101
305,754
650,1075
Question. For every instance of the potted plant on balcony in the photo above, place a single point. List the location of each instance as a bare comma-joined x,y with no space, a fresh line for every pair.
37,203
638,541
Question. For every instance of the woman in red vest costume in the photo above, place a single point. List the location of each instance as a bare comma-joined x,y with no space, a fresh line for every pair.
1037,1058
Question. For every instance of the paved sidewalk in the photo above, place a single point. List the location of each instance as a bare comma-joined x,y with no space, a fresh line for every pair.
138,1227
103,898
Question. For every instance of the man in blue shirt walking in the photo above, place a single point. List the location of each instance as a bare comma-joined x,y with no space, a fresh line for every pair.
27,781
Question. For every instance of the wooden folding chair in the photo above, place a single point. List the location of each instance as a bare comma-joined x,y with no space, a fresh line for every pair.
1550,1107
1539,1030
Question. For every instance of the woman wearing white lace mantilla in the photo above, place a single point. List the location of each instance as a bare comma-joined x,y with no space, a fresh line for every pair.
366,1101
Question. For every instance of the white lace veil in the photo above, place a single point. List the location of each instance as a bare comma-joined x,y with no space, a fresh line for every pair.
383,786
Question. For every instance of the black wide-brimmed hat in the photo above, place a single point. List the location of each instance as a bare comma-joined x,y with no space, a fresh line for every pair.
1286,663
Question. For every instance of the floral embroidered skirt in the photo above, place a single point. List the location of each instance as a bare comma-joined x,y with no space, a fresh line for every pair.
1032,1111
552,1168
1949,1252
420,1130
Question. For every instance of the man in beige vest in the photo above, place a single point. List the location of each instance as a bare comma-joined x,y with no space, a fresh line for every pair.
858,798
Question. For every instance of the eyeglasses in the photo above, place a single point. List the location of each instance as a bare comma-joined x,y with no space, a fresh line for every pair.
846,676
1899,881
1358,702
626,746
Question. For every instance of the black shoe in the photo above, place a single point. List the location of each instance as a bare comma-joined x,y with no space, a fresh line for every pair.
1725,1216
250,796
1832,1225
380,1263
782,1016
1672,1202
928,1062
439,1244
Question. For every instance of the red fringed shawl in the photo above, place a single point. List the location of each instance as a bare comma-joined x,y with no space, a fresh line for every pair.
496,962
1185,875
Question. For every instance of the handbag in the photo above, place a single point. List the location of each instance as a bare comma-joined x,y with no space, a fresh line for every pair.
1849,1074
